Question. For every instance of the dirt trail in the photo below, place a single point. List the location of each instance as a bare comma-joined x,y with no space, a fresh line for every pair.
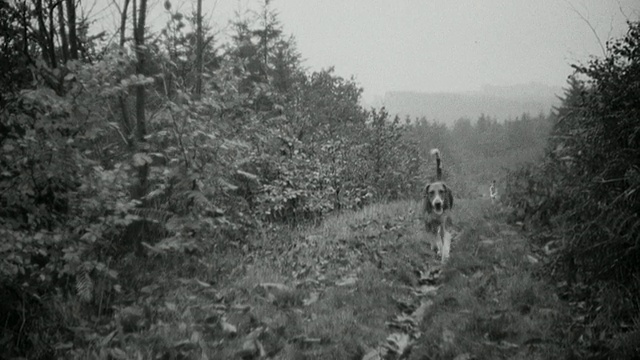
375,291
365,285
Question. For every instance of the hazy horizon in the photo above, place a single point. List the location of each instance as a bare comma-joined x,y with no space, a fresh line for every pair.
436,46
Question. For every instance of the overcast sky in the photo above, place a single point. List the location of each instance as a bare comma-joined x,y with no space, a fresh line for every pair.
441,45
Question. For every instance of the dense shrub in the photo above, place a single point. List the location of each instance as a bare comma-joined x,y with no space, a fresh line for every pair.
589,179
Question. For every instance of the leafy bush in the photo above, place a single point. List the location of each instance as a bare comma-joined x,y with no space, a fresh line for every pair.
589,180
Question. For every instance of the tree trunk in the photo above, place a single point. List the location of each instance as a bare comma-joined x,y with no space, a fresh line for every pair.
134,17
199,50
123,22
122,99
25,17
140,70
43,37
51,33
141,131
63,33
71,22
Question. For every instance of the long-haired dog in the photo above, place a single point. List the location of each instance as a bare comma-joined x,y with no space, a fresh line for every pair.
437,204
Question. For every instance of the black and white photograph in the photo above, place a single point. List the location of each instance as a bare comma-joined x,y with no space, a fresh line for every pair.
319,179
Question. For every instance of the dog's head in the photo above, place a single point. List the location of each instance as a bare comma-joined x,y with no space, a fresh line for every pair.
438,198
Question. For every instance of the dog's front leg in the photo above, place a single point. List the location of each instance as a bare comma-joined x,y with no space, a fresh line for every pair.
432,234
446,245
438,238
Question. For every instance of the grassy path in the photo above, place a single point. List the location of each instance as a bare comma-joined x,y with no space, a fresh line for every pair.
364,285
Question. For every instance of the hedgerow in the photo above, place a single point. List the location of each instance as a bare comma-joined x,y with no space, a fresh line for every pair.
588,185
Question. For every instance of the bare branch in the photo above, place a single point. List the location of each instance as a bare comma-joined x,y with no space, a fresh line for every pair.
593,30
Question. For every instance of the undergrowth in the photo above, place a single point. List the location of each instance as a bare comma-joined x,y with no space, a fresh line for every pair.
492,302
581,201
329,291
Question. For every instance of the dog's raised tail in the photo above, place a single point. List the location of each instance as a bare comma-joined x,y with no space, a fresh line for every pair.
436,152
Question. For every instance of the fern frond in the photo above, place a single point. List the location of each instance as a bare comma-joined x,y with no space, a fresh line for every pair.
199,198
184,184
159,216
84,286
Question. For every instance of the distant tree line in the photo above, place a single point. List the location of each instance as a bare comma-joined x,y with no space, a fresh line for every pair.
477,152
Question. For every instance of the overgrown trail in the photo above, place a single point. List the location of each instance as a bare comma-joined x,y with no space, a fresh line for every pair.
365,285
